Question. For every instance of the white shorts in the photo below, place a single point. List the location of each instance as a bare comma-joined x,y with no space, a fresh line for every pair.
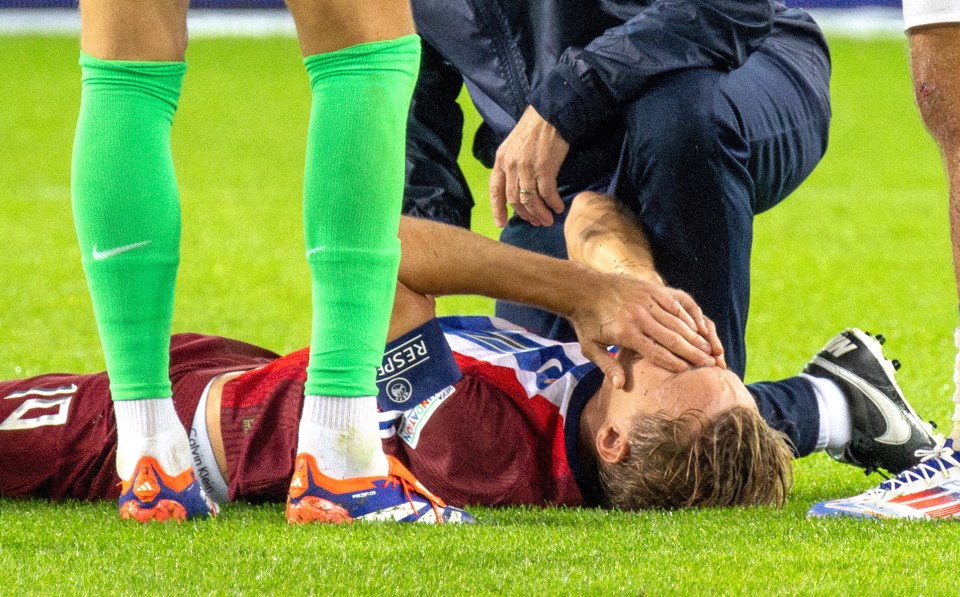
930,12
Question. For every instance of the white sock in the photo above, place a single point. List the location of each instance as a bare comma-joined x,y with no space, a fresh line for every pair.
343,434
150,428
835,426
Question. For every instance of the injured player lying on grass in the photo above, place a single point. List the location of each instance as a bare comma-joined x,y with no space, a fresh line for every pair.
480,411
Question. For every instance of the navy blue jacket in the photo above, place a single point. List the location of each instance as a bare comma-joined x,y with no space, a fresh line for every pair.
577,62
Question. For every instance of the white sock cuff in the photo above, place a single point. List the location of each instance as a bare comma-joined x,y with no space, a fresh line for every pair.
150,427
145,418
835,425
343,434
335,412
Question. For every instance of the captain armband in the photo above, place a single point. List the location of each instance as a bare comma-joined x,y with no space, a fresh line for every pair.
416,366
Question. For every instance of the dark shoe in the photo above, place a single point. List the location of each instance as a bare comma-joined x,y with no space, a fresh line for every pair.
887,432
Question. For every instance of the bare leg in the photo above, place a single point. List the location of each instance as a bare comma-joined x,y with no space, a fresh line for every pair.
328,25
934,56
934,59
154,30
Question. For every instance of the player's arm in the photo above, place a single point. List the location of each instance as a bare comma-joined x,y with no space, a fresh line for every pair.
605,309
410,310
602,233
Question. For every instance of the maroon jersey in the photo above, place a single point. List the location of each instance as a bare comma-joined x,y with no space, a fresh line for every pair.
505,435
58,434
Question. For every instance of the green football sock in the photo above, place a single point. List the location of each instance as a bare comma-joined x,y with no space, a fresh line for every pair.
353,190
127,215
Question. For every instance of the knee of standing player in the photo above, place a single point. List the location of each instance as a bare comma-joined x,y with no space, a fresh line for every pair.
940,112
151,31
936,84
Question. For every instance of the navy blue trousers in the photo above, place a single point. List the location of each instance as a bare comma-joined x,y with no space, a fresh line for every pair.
703,152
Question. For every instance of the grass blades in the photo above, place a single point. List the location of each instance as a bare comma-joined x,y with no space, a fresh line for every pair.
864,242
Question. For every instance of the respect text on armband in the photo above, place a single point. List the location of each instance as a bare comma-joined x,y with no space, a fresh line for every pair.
403,358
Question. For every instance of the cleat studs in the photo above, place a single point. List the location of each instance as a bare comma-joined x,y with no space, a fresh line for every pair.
880,338
896,364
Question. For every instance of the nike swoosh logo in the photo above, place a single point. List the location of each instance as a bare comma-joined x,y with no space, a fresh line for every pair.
550,364
898,430
98,255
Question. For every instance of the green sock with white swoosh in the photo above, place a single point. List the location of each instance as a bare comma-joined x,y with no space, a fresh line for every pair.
353,191
127,214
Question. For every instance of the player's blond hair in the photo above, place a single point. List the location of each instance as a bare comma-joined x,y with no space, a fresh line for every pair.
689,461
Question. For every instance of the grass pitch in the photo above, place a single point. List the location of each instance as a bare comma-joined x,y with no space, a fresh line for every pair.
864,242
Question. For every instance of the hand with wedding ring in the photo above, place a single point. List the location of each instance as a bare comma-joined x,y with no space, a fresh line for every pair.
525,172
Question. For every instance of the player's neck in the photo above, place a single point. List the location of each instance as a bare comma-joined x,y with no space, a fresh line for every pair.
592,418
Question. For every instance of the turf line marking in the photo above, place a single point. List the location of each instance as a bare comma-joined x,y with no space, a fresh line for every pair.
200,22
862,22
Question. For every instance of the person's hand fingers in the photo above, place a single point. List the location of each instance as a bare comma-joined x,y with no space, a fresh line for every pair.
641,339
674,335
522,211
681,305
528,160
531,200
669,313
689,311
714,339
662,357
703,326
520,204
498,198
547,185
510,187
610,366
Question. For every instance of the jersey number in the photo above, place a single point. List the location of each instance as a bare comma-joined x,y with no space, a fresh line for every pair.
21,419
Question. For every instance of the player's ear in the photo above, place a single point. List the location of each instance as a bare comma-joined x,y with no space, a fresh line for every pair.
611,443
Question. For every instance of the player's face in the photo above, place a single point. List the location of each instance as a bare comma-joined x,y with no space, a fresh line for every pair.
651,389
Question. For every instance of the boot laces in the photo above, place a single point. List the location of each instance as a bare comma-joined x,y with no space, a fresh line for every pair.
941,458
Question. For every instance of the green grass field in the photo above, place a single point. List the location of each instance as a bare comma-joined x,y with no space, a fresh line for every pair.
864,242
